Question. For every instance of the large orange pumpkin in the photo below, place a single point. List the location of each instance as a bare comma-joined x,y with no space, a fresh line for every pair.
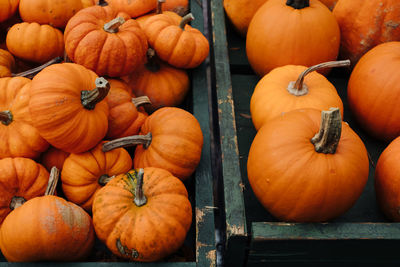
142,215
133,8
67,106
292,87
304,168
365,24
282,33
107,42
374,89
85,173
7,9
7,63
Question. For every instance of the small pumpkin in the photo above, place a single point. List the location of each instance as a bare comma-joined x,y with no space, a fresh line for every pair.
292,87
53,157
47,228
301,32
136,213
7,63
170,138
8,9
307,166
107,42
85,173
160,10
67,106
134,8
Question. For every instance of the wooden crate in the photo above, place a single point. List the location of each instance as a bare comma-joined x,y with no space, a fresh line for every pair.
253,236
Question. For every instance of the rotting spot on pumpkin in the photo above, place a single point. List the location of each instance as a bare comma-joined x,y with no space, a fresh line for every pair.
132,253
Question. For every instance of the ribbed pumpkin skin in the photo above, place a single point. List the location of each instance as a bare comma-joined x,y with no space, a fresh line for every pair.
53,12
365,24
7,9
57,112
81,172
125,118
111,54
271,97
293,181
20,177
387,180
186,48
166,87
153,230
7,63
176,145
34,42
47,228
133,8
374,89
280,35
142,19
19,138
53,157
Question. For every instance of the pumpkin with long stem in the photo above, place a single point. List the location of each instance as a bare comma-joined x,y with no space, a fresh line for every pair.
142,215
7,63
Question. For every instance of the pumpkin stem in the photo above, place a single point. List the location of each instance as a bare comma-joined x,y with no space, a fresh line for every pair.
298,4
185,20
128,141
152,63
141,100
53,180
159,6
327,139
104,179
113,25
298,88
32,72
16,202
140,199
89,98
6,117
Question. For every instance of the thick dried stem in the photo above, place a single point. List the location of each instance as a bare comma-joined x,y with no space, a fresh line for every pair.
298,4
185,20
53,180
32,72
6,117
113,25
159,6
328,137
90,98
16,202
128,141
141,100
140,198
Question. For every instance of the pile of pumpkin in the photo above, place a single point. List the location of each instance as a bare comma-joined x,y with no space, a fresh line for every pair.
305,164
61,123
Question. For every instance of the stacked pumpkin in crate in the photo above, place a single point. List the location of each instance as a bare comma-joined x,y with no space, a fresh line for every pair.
76,123
305,164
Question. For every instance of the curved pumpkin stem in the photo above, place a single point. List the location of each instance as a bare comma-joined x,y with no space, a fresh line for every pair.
32,72
53,180
6,117
298,88
90,98
104,179
141,100
298,4
140,198
327,139
128,141
16,202
185,20
113,25
159,6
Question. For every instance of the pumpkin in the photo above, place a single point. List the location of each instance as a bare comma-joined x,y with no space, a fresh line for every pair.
163,84
160,3
373,91
134,8
85,173
301,32
180,7
170,138
53,157
329,3
365,24
307,166
125,113
240,13
292,87
18,136
34,42
47,228
21,180
8,8
54,12
88,3
107,42
66,105
136,213
181,46
7,63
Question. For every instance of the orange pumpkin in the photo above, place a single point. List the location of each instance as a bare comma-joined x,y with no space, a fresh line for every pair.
8,8
18,136
47,228
34,42
291,33
134,8
160,10
164,85
136,212
104,41
67,106
292,87
85,173
365,24
180,45
21,180
170,138
7,63
373,91
307,167
53,157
